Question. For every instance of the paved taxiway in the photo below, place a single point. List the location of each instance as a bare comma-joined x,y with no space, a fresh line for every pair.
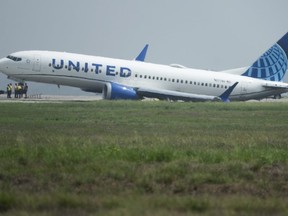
48,98
58,99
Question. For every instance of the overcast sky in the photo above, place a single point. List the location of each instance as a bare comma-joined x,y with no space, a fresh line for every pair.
207,34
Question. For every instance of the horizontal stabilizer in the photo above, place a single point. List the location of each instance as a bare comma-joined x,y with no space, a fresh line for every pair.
276,85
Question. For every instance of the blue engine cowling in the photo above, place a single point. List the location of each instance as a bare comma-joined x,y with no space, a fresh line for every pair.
113,91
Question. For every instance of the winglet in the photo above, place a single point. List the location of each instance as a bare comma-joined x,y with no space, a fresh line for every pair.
142,55
225,96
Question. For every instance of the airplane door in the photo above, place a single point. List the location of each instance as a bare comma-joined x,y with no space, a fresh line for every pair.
37,63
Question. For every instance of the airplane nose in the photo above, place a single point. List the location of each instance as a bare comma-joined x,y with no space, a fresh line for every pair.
3,66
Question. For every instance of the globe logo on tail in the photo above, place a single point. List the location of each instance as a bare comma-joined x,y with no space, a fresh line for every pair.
272,65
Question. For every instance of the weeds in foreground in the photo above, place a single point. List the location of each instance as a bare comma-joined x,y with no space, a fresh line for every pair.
155,158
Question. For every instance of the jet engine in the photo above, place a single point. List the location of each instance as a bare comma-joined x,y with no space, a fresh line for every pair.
113,91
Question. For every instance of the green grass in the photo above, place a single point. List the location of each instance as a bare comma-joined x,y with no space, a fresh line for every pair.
143,158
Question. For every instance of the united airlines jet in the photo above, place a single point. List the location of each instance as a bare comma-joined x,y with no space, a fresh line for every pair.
136,79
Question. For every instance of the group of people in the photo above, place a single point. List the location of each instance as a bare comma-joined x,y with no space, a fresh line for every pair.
20,90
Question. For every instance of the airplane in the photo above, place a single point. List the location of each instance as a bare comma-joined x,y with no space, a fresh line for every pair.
137,79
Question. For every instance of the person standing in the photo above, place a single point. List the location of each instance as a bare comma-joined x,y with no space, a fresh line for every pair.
11,88
25,89
9,91
16,90
20,90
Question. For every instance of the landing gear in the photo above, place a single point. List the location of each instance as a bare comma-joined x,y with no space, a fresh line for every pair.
277,96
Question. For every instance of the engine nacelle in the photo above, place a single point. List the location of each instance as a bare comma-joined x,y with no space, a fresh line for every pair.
113,91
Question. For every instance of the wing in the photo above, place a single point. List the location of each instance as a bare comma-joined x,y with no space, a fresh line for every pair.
175,95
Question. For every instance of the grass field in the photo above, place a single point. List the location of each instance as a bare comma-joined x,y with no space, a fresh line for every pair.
143,158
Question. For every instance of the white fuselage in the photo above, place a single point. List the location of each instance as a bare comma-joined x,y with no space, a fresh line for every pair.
90,73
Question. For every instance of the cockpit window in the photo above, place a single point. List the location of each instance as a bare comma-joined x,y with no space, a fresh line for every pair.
13,58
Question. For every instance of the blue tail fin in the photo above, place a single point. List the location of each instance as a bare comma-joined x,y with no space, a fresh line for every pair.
273,64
